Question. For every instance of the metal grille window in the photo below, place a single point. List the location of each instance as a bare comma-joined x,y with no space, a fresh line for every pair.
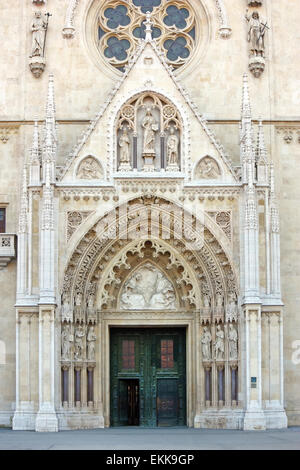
2,220
167,354
128,354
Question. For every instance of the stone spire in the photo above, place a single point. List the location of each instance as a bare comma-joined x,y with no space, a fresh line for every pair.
35,160
50,131
274,213
261,156
246,133
261,151
23,216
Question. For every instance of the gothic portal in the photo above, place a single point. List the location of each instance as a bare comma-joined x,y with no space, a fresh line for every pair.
143,284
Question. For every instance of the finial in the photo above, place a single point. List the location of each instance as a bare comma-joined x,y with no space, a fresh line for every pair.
148,24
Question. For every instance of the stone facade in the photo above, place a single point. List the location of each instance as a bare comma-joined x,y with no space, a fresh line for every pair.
149,190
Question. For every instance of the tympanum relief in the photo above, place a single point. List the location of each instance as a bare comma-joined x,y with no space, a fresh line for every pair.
147,289
207,168
89,169
148,135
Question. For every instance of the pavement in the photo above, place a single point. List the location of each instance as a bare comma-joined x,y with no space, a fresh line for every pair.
136,438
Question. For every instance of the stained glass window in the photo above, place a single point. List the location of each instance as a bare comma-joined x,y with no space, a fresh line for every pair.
128,354
167,354
121,26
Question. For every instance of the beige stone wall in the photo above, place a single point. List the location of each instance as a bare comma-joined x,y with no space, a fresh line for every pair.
214,84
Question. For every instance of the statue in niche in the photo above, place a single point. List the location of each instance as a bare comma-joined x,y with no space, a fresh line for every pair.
91,338
148,289
231,310
79,338
66,311
89,169
256,34
219,343
124,143
65,343
38,27
150,127
206,301
208,168
172,149
233,338
206,344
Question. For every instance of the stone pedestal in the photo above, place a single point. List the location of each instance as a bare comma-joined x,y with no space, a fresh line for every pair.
257,65
172,167
149,161
37,65
254,420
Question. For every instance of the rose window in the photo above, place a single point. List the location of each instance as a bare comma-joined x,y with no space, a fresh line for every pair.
121,26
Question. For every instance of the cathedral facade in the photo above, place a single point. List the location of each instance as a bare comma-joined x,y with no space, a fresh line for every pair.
149,252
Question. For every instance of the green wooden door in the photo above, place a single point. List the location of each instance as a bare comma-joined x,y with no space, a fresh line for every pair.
148,376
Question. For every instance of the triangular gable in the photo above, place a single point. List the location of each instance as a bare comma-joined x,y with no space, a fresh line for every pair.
136,73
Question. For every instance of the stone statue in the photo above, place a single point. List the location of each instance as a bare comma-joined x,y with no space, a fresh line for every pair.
38,27
206,300
65,343
256,34
231,311
124,143
219,343
79,346
206,344
172,148
66,310
233,338
150,127
91,338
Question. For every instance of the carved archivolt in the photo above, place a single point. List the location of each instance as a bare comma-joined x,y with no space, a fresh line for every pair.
201,274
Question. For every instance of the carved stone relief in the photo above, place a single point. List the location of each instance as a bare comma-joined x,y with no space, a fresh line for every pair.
74,220
147,289
223,219
219,345
233,341
90,169
207,168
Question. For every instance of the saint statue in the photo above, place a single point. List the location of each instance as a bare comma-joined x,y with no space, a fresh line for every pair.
150,127
79,335
232,337
219,343
124,143
65,342
91,338
38,28
206,344
256,34
172,148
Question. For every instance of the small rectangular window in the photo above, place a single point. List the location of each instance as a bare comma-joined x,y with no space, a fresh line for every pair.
167,354
2,220
128,354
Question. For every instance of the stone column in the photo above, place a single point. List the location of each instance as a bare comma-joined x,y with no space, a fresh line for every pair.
254,417
46,418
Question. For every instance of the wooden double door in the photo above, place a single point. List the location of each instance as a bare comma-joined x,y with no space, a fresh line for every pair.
148,376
